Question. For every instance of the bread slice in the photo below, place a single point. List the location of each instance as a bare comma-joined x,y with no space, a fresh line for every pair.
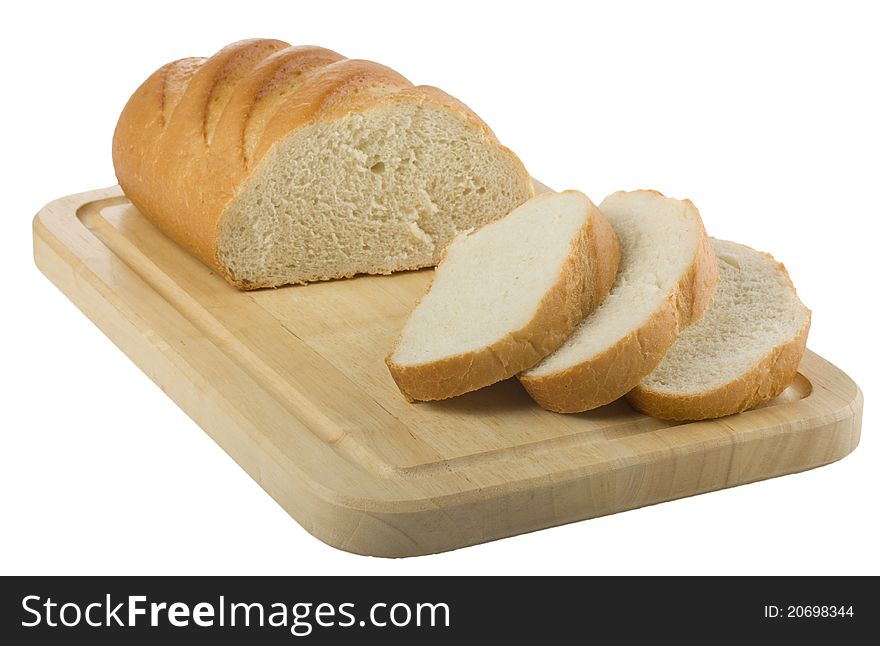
666,280
276,164
505,296
744,351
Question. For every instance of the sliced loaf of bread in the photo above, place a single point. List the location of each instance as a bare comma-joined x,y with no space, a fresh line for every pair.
506,296
276,164
666,279
744,351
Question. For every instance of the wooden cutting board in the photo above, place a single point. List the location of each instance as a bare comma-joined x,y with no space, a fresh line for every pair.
291,383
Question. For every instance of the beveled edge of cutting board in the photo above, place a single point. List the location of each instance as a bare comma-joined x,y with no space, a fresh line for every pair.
395,527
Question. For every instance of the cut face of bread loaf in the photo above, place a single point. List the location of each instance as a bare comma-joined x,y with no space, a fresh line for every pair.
744,351
277,164
505,296
666,280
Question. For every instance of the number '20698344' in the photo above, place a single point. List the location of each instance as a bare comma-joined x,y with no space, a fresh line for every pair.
808,612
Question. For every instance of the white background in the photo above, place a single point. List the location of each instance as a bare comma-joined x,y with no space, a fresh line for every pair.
764,114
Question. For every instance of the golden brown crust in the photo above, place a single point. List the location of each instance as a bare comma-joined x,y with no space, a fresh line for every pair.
764,381
609,375
193,133
582,285
604,258
694,292
618,369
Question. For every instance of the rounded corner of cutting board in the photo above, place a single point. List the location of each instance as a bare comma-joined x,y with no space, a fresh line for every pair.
373,527
852,416
69,205
842,412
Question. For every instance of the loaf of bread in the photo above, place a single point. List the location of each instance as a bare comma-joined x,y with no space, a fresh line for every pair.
505,296
666,280
744,351
276,164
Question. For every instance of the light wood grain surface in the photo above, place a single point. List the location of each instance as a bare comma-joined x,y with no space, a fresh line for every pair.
292,384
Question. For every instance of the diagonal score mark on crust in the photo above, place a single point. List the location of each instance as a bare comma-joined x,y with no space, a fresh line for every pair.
241,58
163,116
175,81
